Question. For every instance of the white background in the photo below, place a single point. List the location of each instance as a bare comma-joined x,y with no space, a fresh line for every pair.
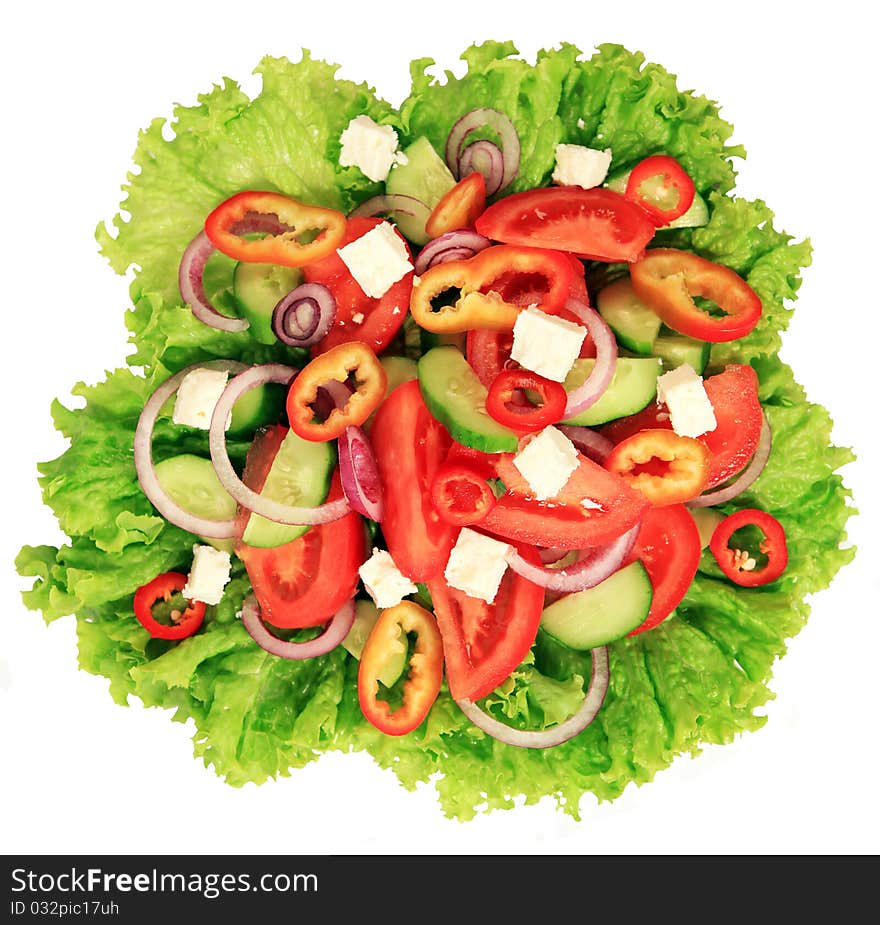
80,774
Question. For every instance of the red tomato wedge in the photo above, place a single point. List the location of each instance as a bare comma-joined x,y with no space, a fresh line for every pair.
381,319
668,545
410,445
596,224
734,396
483,643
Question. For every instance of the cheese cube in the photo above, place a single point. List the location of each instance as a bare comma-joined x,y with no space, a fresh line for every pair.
377,260
208,576
683,393
580,166
547,462
477,564
197,396
370,147
384,581
545,344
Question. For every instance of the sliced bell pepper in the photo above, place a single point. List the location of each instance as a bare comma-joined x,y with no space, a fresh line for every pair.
162,588
226,225
353,359
660,185
422,685
461,495
737,564
460,207
667,280
521,415
489,290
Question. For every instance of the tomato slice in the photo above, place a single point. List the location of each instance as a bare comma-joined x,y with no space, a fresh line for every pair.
483,643
565,521
596,224
382,317
305,582
734,396
410,445
460,207
668,545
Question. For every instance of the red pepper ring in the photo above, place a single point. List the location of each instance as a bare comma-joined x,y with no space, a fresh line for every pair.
460,495
667,280
503,405
737,564
353,358
661,186
161,588
281,245
422,685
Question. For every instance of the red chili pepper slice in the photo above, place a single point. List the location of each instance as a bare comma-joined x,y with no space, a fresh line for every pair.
661,186
162,588
737,564
460,207
506,404
461,495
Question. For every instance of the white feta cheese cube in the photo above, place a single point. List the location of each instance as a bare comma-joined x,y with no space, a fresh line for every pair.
370,147
577,165
477,564
377,260
197,396
545,344
683,393
208,576
547,462
384,581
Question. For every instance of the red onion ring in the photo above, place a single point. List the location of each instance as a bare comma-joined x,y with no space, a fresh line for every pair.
509,147
334,632
590,570
146,470
747,477
360,474
591,390
486,158
304,315
464,242
556,735
246,497
592,444
391,204
190,281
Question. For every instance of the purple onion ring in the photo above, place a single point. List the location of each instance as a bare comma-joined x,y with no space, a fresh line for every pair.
333,634
304,316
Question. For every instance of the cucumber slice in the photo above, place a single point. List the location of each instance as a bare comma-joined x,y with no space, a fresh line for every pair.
706,519
597,616
398,370
300,476
633,387
696,216
258,288
634,324
429,340
192,482
365,617
457,399
425,176
261,405
676,350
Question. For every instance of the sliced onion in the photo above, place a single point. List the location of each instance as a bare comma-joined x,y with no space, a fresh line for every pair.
392,204
589,570
246,497
587,441
485,158
190,281
550,555
334,632
360,474
146,470
747,477
555,735
593,388
456,145
304,315
454,245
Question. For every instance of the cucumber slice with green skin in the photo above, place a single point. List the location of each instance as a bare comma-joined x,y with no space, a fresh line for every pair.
425,176
398,370
675,350
365,616
597,616
696,216
299,476
633,387
192,482
634,324
457,399
258,288
261,405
